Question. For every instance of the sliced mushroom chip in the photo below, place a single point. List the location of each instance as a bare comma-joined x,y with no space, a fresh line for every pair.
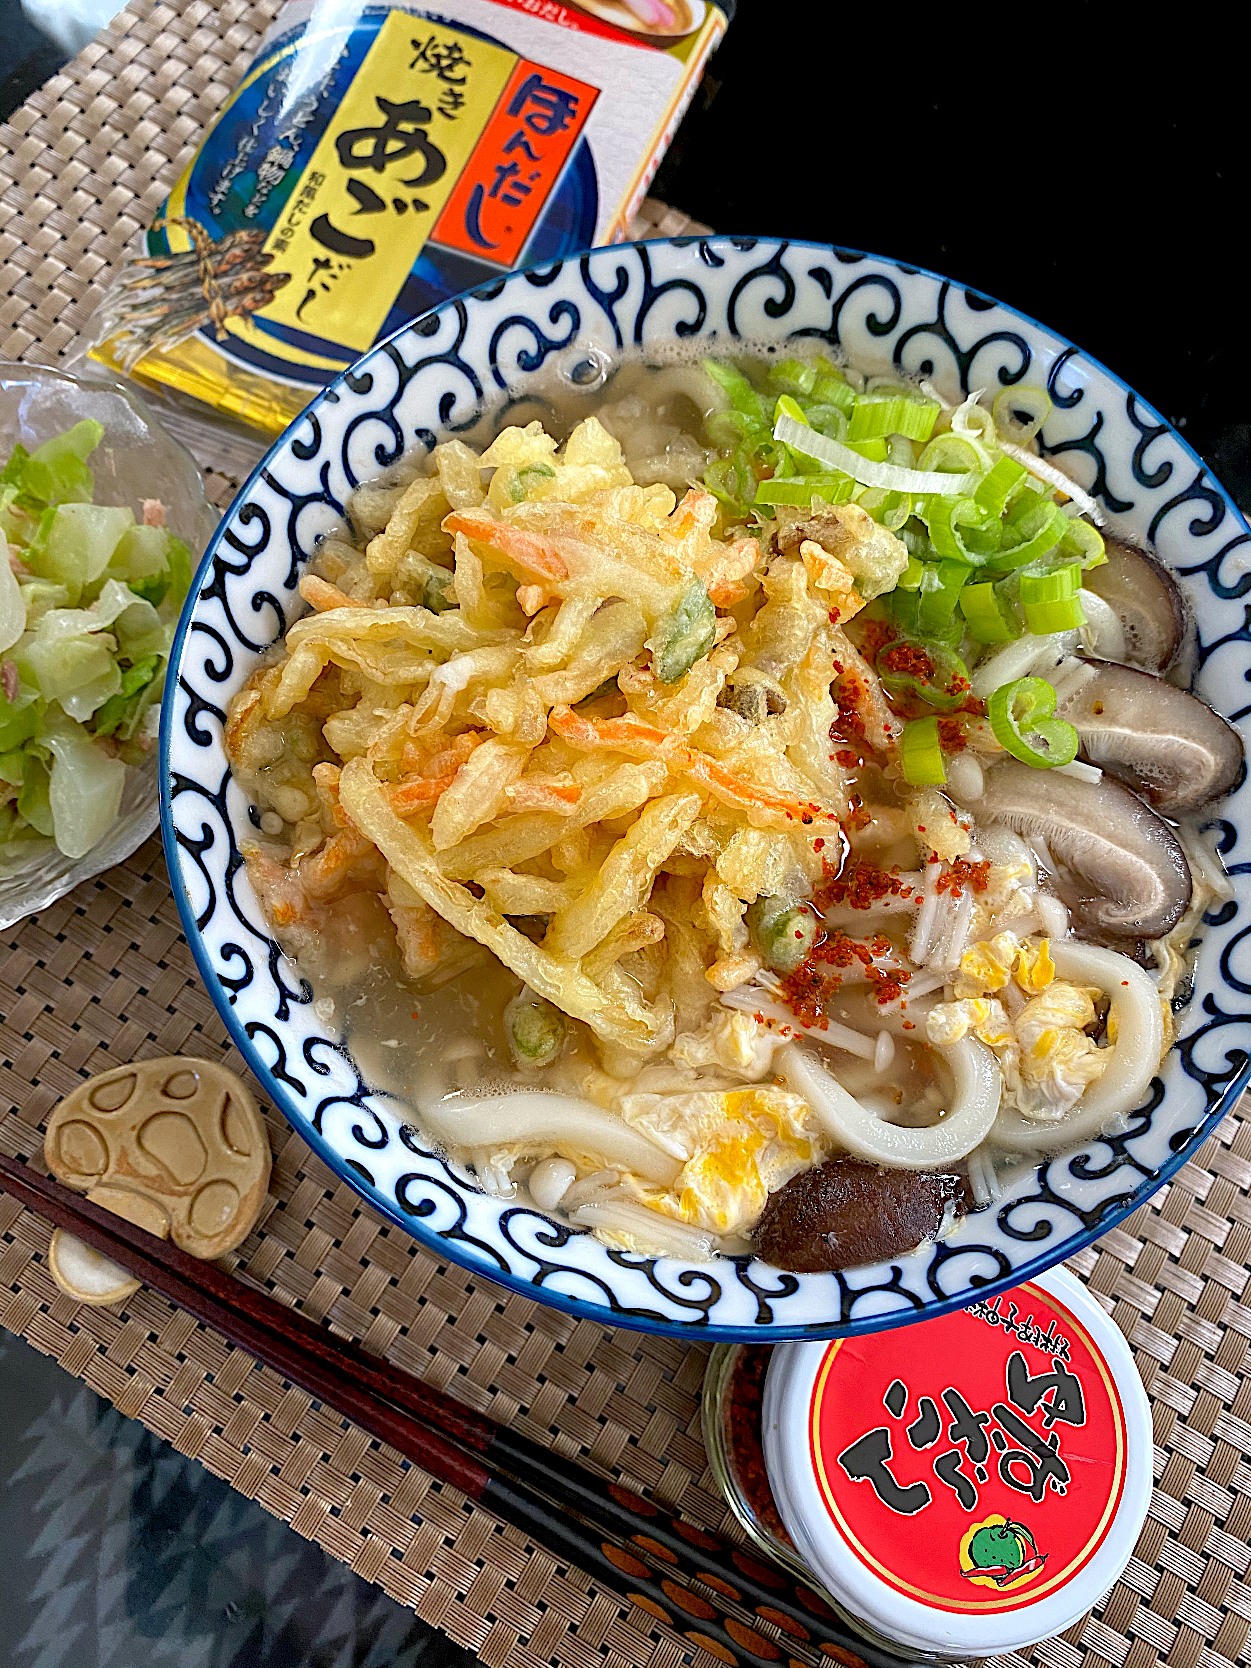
1159,740
844,1213
1146,599
1120,868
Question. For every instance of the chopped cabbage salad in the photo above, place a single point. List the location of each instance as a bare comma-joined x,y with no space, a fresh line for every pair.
89,598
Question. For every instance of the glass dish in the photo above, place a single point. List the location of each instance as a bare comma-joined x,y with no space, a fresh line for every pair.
135,460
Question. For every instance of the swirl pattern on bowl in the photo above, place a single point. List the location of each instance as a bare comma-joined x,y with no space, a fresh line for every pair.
434,377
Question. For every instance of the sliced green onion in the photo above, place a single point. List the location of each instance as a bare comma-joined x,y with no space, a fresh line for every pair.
1021,411
992,492
788,407
792,376
989,614
888,509
837,456
1044,618
1052,584
436,593
527,476
1020,714
910,578
800,490
975,423
904,608
1038,529
944,681
742,396
827,419
534,1028
731,485
946,516
941,584
874,450
783,931
831,388
1086,540
685,635
1050,600
875,414
727,428
952,454
922,754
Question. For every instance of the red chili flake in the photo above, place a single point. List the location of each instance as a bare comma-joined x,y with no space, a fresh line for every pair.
808,987
848,759
746,1405
849,725
805,990
889,987
906,661
819,843
962,873
860,886
908,1025
951,736
874,635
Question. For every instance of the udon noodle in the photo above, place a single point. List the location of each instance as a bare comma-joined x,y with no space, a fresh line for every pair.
677,802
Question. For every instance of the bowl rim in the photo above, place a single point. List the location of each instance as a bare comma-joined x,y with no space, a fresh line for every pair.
451,1251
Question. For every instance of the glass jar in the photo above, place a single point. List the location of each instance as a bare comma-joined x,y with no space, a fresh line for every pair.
954,1489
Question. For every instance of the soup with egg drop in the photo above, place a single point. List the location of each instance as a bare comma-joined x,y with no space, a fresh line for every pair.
738,805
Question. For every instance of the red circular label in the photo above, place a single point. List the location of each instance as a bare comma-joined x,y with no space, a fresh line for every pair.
976,1462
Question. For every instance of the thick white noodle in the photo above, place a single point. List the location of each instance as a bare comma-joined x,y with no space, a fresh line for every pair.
860,1131
1132,1060
534,1119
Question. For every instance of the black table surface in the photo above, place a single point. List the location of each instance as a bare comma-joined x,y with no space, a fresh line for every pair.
1098,180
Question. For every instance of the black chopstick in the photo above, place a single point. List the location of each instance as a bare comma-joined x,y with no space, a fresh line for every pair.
648,1554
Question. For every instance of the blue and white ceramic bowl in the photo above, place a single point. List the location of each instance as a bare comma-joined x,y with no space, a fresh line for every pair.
433,378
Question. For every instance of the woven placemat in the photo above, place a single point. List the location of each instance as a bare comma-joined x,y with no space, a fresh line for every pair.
105,976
